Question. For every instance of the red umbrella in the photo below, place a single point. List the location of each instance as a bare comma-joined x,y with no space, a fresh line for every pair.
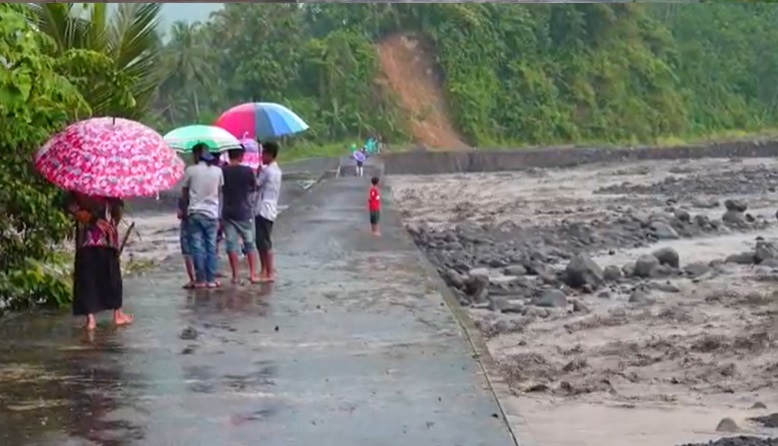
109,157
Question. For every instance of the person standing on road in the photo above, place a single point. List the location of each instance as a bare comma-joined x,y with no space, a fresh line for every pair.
374,206
97,274
360,157
237,215
266,209
202,186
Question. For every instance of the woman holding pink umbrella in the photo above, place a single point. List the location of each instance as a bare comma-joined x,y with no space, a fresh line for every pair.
100,162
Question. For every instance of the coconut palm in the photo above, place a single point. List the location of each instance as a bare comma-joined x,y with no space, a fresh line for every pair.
126,39
188,67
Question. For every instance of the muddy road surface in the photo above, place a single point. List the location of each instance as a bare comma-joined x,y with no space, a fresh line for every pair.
636,301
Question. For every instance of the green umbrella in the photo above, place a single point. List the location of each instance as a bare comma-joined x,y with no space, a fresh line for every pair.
183,139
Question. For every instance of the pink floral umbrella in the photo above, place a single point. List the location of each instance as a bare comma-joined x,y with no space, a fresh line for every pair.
109,157
253,156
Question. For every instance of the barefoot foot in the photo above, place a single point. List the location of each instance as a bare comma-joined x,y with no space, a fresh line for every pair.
120,319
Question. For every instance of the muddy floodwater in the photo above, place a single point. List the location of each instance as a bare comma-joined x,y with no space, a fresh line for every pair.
625,303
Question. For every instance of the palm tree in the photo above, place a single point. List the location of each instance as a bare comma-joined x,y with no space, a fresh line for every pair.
126,38
188,65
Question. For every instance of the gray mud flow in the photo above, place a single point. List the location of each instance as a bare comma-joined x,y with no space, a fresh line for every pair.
353,346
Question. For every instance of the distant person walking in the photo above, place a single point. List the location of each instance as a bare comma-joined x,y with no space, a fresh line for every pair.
360,156
203,186
266,209
237,215
374,206
97,275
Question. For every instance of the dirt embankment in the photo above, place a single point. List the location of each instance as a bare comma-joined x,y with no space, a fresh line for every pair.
411,73
428,163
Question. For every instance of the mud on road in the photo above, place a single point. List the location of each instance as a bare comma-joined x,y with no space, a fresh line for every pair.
637,301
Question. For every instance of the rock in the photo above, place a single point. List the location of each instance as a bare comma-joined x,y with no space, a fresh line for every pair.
665,287
770,263
764,251
628,269
604,295
734,218
696,269
644,265
515,270
641,297
580,307
189,334
711,203
683,215
477,287
546,274
703,222
542,313
663,231
505,305
745,258
583,271
668,256
479,272
727,425
662,271
611,273
552,299
454,279
758,406
736,205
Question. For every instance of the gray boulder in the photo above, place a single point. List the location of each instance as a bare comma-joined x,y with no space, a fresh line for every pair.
644,265
582,271
668,256
552,299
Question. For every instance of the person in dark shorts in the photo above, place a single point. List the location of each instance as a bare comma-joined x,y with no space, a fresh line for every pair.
374,206
266,209
184,240
237,215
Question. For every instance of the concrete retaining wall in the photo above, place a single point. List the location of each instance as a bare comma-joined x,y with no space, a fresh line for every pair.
427,163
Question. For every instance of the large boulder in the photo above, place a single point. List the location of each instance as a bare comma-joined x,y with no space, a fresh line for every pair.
668,256
583,272
644,265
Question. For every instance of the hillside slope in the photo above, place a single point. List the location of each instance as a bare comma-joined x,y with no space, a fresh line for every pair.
412,75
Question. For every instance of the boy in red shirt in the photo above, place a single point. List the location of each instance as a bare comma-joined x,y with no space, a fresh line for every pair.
374,206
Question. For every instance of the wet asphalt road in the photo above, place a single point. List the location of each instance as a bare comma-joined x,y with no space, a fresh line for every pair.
353,346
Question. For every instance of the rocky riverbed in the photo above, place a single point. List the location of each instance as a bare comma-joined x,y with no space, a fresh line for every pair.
637,301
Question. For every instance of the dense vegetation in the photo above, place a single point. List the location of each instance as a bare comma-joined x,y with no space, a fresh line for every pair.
513,74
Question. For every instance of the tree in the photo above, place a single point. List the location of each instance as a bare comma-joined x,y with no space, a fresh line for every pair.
123,49
34,102
188,66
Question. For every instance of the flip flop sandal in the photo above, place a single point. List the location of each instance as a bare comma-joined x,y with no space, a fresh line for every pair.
189,286
214,285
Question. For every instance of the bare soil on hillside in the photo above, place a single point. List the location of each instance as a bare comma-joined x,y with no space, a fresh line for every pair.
411,73
625,303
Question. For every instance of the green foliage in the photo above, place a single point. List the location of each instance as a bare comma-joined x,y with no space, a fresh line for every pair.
34,102
514,74
112,59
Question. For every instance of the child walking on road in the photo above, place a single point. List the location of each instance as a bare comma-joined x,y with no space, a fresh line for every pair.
374,206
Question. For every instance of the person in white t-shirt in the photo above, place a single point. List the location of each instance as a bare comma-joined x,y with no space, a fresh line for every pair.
266,209
203,186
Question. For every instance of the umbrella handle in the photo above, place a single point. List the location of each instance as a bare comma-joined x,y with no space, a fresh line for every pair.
126,238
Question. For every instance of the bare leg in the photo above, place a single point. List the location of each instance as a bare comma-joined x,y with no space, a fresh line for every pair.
189,271
251,259
233,258
263,266
90,323
121,318
269,268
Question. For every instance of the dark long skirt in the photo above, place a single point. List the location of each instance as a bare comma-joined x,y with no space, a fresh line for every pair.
97,281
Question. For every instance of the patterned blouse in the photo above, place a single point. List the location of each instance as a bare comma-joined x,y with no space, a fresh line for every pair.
91,234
